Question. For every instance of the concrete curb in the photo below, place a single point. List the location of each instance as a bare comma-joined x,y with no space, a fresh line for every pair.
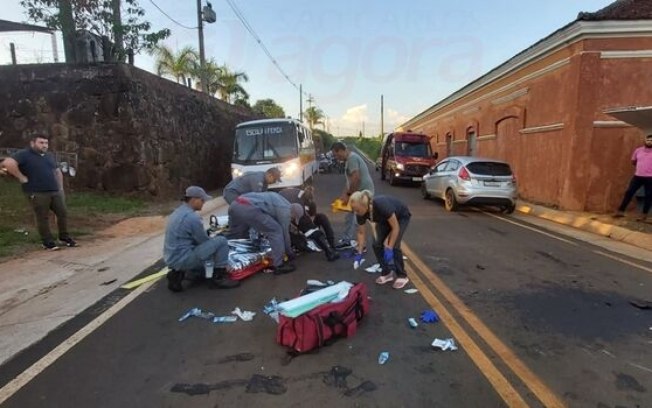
617,233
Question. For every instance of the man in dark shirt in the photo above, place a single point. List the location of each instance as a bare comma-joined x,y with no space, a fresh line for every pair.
42,182
391,218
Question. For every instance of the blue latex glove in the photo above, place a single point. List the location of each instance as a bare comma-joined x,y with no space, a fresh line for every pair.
429,316
357,257
388,255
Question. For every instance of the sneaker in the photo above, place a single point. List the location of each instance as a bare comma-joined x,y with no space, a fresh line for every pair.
69,242
50,246
174,280
344,244
332,256
283,269
223,283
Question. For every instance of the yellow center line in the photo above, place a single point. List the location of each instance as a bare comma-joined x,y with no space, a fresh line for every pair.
506,391
543,393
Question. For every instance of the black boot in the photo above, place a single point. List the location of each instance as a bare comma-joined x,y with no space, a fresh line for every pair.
222,280
322,243
175,278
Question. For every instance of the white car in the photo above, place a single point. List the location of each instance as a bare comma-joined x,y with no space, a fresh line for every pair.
467,180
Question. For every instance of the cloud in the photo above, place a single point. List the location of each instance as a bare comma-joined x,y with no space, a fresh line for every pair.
351,122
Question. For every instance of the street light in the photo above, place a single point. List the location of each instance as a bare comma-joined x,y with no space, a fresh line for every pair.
206,14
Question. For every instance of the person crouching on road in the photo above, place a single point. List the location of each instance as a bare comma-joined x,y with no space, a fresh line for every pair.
391,218
306,198
306,229
269,214
188,247
254,182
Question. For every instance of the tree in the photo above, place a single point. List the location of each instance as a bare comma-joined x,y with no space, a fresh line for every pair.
99,17
314,116
268,108
180,65
229,88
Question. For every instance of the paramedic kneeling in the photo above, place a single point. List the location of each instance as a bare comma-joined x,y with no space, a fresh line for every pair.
188,247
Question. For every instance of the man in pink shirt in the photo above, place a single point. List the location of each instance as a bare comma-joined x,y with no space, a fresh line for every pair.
642,159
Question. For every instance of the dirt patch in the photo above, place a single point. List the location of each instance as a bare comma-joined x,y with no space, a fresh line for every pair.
135,226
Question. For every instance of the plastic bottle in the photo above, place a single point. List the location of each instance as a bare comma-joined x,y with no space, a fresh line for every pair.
413,323
383,357
208,268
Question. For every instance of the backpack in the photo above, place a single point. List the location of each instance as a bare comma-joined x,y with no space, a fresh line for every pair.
324,324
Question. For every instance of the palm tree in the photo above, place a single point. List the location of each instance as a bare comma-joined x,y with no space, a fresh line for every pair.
180,66
314,116
229,87
213,73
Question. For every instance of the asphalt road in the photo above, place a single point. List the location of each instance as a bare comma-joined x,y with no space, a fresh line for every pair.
541,320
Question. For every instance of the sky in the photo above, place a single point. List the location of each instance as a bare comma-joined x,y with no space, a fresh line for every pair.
346,54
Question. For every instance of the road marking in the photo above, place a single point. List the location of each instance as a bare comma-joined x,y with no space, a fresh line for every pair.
625,261
28,375
615,258
154,276
543,393
506,391
530,228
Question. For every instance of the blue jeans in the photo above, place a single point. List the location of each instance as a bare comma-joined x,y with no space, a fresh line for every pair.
350,227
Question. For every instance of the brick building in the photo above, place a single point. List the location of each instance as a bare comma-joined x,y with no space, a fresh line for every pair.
544,110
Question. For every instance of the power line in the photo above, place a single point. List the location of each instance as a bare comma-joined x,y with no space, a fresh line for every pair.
171,19
251,30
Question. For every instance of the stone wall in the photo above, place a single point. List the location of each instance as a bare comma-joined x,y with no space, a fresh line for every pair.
133,132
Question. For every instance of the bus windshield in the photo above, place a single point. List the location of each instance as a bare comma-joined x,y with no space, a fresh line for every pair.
268,143
413,149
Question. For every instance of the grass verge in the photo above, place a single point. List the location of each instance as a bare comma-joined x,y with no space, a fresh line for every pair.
87,213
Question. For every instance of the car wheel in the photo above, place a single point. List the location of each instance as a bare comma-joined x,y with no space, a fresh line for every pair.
508,209
424,192
450,203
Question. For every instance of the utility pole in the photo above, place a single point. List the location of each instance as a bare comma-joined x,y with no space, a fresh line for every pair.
301,103
382,117
200,29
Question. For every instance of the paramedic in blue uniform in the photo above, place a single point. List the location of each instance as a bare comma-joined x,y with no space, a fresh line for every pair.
187,246
254,182
269,214
390,217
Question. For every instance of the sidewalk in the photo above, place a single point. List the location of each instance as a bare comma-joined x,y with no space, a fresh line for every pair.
43,290
622,229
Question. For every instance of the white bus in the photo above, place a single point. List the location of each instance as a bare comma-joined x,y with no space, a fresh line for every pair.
283,143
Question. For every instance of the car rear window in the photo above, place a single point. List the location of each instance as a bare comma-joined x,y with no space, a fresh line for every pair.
489,169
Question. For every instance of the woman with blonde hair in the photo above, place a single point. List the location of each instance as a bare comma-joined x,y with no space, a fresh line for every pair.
390,217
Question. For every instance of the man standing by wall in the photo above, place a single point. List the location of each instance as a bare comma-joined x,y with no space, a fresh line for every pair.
42,182
642,160
357,179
